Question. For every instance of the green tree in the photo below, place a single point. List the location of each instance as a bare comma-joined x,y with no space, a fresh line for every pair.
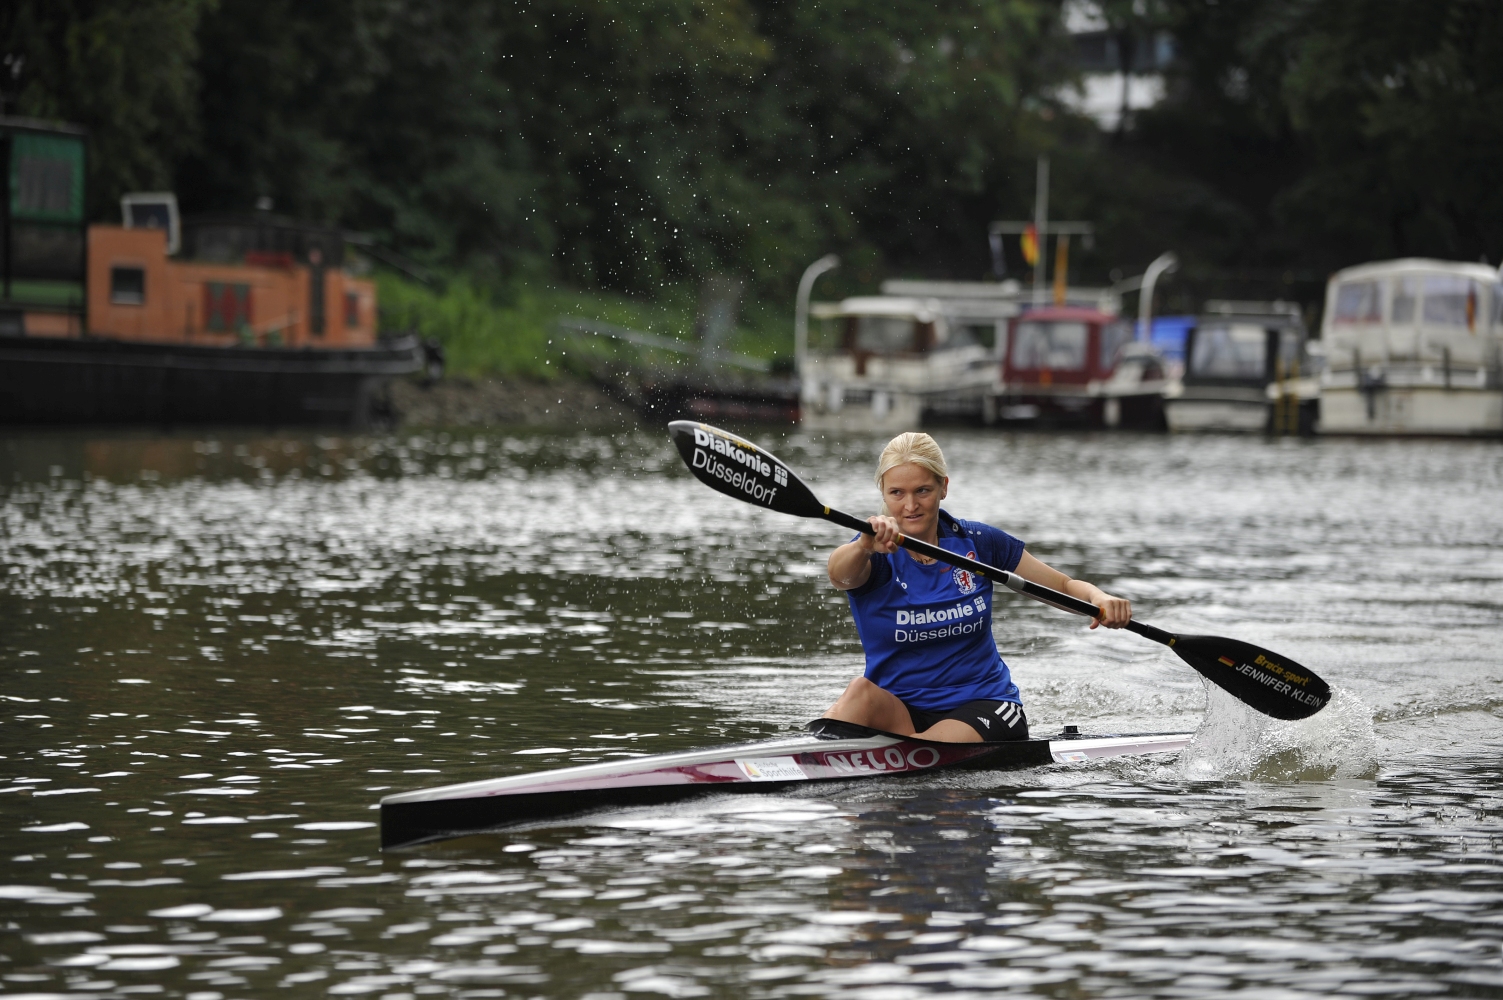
1314,135
911,125
378,115
1401,117
626,145
124,69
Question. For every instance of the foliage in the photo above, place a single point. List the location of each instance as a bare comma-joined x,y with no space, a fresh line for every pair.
1403,127
374,114
124,68
629,146
511,330
1327,133
638,147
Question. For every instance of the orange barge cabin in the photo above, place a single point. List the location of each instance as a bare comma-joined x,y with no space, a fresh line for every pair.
239,297
227,319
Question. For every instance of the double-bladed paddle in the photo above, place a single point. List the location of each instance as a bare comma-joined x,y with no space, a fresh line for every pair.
1272,684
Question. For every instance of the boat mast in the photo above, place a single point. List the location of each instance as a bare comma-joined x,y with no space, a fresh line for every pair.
1041,227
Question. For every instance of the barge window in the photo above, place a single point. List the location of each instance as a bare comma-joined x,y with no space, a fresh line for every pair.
1451,300
1359,302
227,307
1060,346
1405,295
46,175
127,286
884,334
1113,337
1234,351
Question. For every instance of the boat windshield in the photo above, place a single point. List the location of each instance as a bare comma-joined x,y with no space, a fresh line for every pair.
1233,350
974,335
1406,293
1451,300
1290,351
1113,337
1061,346
884,334
1359,302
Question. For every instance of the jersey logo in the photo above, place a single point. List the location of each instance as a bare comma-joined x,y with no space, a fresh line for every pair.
965,580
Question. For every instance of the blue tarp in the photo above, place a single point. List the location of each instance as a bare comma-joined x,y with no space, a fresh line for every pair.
1168,336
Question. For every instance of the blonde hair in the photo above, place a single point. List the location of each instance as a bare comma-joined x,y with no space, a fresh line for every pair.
915,447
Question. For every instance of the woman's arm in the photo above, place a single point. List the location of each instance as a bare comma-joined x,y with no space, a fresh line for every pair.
1115,612
851,565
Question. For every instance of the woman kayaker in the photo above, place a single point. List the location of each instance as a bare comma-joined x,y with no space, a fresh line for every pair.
932,667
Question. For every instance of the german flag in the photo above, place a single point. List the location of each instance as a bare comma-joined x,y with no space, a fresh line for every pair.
1227,660
1030,244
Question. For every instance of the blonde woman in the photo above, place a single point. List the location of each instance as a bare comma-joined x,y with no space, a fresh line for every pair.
932,667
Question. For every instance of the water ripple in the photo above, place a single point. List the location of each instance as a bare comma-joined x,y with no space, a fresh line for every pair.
220,651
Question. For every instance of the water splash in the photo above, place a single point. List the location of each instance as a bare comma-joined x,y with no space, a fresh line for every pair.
1236,742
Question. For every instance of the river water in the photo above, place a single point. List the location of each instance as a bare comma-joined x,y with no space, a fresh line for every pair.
219,651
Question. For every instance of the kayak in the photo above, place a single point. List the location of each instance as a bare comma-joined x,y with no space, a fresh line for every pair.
829,751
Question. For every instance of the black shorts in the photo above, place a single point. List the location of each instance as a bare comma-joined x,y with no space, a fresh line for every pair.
995,721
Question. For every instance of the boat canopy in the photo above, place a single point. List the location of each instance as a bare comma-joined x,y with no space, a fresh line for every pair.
1229,350
889,325
1059,339
1244,352
1413,310
1057,344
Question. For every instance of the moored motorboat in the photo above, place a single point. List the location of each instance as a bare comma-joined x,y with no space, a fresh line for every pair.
1066,366
1413,346
1249,368
831,751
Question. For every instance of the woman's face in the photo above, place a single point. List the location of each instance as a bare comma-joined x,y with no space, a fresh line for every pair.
912,494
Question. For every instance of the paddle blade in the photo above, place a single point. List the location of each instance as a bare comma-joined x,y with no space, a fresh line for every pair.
734,466
1274,685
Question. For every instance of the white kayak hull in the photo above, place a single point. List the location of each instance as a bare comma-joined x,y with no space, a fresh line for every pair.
835,751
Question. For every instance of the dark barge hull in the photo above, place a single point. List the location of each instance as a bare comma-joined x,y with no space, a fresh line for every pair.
834,751
90,381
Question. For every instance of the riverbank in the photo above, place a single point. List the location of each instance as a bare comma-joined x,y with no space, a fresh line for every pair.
565,402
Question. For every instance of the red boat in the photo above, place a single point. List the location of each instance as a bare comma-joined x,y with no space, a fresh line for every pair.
1070,366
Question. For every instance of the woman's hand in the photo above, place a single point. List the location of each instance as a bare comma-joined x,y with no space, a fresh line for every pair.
850,566
1115,611
884,537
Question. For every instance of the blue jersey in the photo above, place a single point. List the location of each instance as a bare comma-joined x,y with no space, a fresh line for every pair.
927,630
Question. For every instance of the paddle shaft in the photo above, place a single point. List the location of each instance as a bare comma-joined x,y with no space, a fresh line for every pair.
1011,581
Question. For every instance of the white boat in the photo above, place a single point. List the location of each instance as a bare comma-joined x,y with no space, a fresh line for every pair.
1249,368
922,349
887,361
1412,347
